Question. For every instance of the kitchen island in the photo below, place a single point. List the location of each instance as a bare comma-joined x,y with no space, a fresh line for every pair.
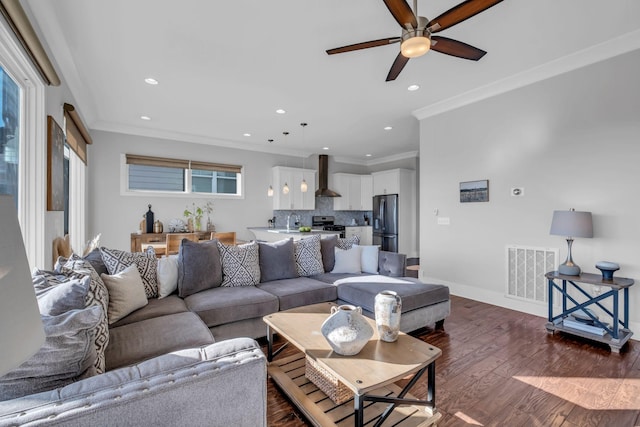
266,234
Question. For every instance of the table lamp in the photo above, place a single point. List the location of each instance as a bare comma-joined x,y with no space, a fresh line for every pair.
571,224
21,331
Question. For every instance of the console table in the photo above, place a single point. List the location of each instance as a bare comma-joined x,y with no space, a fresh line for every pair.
615,334
139,241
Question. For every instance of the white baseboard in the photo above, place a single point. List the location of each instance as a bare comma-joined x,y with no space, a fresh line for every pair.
501,300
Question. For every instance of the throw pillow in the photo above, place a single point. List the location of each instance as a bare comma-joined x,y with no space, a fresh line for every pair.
240,265
277,260
348,261
77,267
56,297
167,275
199,267
146,262
347,243
327,249
126,293
95,259
66,355
308,256
369,260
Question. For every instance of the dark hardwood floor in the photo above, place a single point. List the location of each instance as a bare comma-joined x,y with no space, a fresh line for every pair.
501,368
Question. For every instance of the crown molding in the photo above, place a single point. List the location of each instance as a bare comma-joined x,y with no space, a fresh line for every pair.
377,161
600,52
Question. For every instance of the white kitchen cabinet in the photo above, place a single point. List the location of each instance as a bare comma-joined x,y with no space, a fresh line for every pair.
296,199
386,182
364,233
355,190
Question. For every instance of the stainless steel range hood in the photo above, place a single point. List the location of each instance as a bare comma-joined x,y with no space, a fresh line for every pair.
323,178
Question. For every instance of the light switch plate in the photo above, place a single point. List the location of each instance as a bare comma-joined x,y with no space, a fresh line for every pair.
444,220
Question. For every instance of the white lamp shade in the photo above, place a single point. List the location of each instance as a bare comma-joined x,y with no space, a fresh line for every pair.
21,331
572,224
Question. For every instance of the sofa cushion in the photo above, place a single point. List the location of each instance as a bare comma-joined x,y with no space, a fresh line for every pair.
348,261
126,293
277,260
199,267
167,275
361,291
78,267
240,264
331,278
146,262
156,307
148,338
68,353
327,250
222,305
369,258
58,294
300,291
308,256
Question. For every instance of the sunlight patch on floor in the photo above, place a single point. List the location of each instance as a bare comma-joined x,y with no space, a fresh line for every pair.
467,419
590,393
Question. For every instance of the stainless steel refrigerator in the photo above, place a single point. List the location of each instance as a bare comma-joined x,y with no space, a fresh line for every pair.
385,222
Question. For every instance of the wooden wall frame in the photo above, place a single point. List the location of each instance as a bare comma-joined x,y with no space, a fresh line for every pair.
55,166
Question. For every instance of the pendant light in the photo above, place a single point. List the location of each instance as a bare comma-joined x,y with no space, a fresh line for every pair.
285,188
303,184
270,191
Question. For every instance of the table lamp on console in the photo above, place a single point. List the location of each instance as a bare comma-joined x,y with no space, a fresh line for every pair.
571,224
21,330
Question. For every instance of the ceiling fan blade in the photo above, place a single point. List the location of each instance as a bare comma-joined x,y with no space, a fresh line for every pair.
364,45
402,12
456,48
459,13
397,66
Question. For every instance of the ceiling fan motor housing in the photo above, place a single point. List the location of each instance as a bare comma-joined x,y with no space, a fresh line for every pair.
416,41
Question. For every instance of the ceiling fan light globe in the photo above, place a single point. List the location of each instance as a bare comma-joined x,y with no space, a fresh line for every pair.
414,47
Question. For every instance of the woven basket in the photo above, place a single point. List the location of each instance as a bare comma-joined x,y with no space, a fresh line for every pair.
326,382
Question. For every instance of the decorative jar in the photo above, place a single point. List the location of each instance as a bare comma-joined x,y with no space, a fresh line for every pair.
347,330
388,306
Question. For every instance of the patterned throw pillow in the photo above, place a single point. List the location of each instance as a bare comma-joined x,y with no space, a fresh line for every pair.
147,264
77,267
347,243
308,256
240,266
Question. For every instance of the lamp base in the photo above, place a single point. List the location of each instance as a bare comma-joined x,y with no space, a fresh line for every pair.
569,270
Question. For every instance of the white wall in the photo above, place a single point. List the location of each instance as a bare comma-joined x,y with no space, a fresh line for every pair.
571,141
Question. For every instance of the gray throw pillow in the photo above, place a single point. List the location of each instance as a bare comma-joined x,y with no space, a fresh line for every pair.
67,354
95,259
327,249
199,267
308,256
277,260
61,296
240,266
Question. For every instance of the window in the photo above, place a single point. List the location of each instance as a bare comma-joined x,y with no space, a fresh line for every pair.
9,135
176,176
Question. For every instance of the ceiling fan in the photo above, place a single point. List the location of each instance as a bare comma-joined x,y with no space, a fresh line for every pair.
417,39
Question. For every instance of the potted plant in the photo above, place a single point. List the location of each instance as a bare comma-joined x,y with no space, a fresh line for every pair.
194,215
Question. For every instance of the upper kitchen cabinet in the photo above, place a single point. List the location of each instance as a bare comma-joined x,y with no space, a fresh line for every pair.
295,199
392,181
356,192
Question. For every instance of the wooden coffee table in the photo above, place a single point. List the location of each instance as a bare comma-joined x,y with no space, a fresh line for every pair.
370,374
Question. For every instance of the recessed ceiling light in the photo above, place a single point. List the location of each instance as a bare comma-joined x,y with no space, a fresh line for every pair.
145,117
151,81
280,111
388,128
325,148
413,87
368,155
246,134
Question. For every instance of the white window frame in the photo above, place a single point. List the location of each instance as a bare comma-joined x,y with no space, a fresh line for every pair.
126,191
32,177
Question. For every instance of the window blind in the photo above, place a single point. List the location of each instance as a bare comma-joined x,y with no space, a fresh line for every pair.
134,159
77,135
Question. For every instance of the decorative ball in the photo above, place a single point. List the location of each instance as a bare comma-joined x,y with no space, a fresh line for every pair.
607,268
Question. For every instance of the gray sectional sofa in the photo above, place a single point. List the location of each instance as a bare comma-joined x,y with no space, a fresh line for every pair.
191,358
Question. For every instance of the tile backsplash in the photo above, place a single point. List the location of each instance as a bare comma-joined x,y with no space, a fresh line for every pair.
324,207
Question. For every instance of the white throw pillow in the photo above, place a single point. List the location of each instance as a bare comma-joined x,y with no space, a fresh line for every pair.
348,261
369,259
126,293
167,275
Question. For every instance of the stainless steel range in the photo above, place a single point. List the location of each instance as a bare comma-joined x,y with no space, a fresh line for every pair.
327,223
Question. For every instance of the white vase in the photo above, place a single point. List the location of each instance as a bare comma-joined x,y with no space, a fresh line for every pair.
346,330
388,306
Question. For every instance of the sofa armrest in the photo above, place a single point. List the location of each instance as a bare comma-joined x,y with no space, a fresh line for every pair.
392,264
220,384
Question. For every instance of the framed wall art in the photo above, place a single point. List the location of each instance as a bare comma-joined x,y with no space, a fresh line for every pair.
474,191
55,166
